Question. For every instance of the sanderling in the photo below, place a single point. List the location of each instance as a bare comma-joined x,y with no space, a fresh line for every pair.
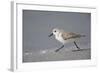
65,37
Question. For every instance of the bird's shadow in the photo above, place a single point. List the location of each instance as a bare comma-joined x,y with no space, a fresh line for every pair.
80,50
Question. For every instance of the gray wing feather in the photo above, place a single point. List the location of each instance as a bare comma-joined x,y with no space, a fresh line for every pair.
70,35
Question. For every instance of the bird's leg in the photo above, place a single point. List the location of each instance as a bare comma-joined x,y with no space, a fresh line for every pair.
76,45
59,48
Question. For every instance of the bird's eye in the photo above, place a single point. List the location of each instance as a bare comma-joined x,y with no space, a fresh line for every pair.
55,31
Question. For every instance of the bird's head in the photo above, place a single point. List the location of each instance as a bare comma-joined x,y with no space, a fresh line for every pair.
55,31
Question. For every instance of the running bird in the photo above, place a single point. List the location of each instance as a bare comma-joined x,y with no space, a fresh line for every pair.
65,37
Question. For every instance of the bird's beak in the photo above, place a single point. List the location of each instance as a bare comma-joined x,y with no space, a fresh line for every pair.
50,35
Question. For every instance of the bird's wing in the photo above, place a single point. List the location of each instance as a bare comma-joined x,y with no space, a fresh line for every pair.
70,35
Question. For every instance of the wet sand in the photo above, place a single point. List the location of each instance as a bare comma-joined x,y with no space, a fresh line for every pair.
51,55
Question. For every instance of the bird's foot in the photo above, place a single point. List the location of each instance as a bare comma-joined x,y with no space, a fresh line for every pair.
57,50
79,50
76,50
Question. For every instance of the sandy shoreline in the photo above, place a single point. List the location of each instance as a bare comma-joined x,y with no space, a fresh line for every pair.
50,55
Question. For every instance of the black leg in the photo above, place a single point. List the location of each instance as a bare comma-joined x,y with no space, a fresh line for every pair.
59,48
76,45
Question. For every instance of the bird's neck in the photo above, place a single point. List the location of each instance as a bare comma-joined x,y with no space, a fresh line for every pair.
57,35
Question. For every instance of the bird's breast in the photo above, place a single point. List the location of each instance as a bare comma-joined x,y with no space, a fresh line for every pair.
59,38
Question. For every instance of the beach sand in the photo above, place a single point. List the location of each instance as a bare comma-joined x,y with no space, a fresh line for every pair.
51,55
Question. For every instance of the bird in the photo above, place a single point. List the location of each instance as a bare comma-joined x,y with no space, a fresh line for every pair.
65,37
